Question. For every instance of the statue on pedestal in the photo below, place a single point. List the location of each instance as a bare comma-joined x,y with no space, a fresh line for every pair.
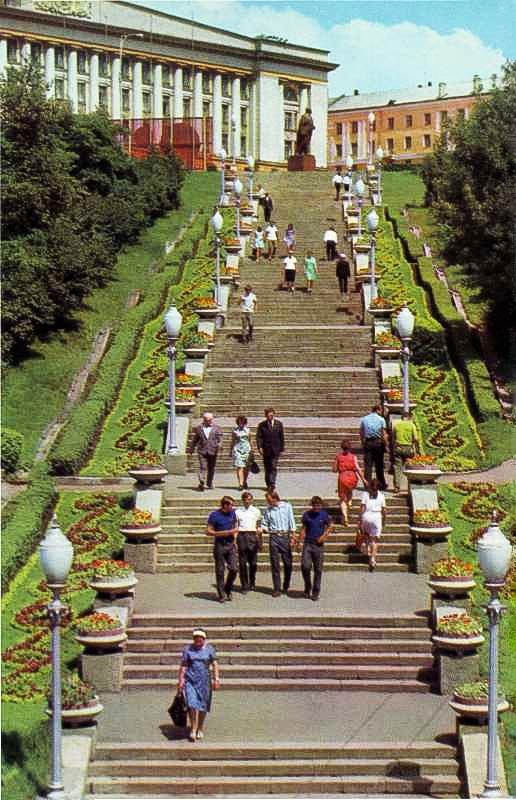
304,133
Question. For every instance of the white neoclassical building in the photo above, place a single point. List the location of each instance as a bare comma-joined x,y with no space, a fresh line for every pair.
172,79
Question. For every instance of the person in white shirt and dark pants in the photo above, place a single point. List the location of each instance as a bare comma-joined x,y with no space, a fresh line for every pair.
249,541
330,240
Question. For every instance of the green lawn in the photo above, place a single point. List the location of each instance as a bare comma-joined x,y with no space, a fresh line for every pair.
53,363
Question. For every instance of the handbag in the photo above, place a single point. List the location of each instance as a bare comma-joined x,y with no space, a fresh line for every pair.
177,710
252,464
360,540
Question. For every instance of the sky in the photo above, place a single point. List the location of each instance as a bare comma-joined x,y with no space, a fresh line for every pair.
379,44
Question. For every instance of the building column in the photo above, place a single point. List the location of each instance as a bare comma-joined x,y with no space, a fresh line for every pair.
253,139
50,70
137,90
304,100
116,108
217,113
72,80
25,53
437,121
94,81
3,55
178,93
197,94
157,91
235,111
346,149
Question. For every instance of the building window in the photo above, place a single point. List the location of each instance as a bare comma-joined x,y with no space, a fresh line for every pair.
147,102
166,107
82,62
59,88
428,119
225,115
206,108
126,100
408,142
243,144
427,140
354,149
408,121
146,73
187,79
206,83
126,69
461,113
290,93
226,86
225,142
339,151
187,108
104,63
243,118
390,123
59,57
288,149
35,52
390,145
12,51
244,89
354,127
81,97
338,128
290,121
166,75
103,98
444,116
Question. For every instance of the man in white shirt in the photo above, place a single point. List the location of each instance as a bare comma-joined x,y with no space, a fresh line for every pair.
330,240
249,541
248,306
271,237
337,182
289,272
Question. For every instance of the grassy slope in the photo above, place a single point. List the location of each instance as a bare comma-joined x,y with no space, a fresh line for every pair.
53,363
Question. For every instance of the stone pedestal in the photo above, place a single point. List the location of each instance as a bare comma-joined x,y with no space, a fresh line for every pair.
440,601
301,163
103,670
125,601
456,668
428,551
142,556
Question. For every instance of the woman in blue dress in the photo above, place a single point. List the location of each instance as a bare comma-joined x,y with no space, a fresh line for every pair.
195,680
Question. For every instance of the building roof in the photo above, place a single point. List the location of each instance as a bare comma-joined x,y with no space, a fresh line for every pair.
417,94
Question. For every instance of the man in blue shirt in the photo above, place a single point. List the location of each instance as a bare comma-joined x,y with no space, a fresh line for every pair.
374,438
278,521
223,526
316,527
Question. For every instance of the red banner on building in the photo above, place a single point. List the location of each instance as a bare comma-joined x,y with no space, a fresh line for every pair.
191,138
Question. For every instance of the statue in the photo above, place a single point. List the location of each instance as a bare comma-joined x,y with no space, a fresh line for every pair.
304,133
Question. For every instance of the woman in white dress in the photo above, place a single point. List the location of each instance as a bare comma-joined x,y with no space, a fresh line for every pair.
241,447
372,519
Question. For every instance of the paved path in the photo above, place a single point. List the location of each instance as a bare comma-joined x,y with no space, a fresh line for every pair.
503,473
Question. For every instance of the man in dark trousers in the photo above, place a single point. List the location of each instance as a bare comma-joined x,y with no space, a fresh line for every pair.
267,207
374,438
315,529
343,273
206,438
223,527
270,441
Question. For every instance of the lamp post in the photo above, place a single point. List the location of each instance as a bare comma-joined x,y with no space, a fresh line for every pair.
222,156
372,220
349,167
216,223
405,326
250,172
233,138
379,158
172,320
123,38
56,556
371,120
237,188
494,555
359,191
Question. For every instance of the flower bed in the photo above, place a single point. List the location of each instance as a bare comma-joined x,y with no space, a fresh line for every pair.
458,632
392,382
471,700
433,518
110,568
387,341
140,525
98,623
451,568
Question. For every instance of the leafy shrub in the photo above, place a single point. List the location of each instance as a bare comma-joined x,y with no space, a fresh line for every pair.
12,444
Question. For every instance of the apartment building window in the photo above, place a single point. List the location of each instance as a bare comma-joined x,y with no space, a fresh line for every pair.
126,69
126,100
354,149
354,127
408,120
408,142
225,115
243,144
187,79
59,88
147,103
187,107
81,97
59,57
290,94
339,151
390,145
12,51
104,63
338,128
290,121
166,75
427,140
390,123
206,83
166,106
146,73
206,108
244,89
103,98
428,119
226,86
82,63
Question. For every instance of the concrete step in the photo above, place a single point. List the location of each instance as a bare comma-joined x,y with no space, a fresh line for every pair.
180,554
367,647
365,684
298,503
288,631
165,567
304,672
287,658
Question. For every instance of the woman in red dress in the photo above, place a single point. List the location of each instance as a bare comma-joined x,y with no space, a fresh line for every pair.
346,465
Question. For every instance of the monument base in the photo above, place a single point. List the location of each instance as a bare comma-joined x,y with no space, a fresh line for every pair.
301,163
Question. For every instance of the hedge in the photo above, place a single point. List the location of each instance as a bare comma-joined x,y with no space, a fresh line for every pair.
78,438
12,445
24,519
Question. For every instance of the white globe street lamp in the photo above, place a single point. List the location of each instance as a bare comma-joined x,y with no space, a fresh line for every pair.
216,223
360,191
379,158
173,321
372,220
494,555
237,188
56,556
405,327
371,120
